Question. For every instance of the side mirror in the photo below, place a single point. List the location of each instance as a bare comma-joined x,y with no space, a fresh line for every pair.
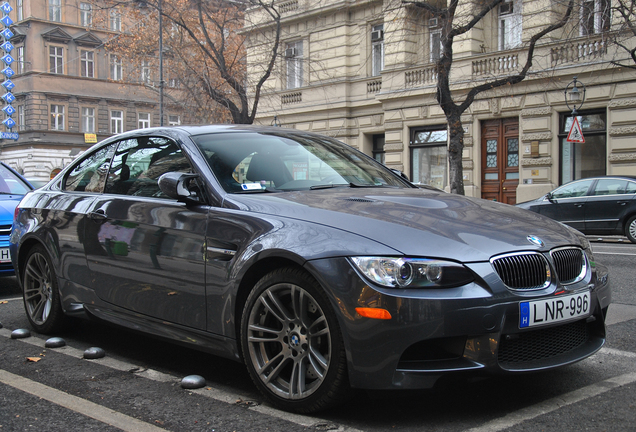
180,186
549,197
401,174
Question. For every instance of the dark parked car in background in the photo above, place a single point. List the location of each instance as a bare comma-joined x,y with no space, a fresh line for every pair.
12,188
596,206
314,264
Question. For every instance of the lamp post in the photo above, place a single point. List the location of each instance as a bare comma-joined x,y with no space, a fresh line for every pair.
574,95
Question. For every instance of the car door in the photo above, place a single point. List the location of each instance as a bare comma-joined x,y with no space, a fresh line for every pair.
68,210
145,251
568,203
605,205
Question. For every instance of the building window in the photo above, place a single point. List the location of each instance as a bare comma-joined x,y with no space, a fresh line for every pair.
595,17
55,10
87,64
378,148
115,20
377,49
174,120
115,68
57,117
143,120
589,159
21,118
429,156
86,14
294,60
56,60
20,10
88,120
436,45
21,67
116,122
145,72
510,24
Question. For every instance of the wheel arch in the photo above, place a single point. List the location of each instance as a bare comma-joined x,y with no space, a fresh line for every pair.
23,252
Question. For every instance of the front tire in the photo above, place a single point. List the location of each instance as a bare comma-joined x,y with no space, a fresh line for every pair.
40,292
291,343
630,229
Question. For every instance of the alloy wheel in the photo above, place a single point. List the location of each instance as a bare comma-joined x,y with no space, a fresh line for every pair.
289,343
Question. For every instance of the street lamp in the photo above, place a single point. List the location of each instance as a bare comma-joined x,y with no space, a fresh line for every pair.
574,95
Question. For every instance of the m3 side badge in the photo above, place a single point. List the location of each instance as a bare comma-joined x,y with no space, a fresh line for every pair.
535,240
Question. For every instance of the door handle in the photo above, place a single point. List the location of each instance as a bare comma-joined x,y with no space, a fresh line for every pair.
98,215
579,205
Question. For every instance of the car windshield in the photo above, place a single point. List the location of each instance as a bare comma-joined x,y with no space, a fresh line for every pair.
11,184
265,162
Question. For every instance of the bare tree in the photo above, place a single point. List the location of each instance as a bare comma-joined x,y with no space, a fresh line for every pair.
624,37
457,19
204,48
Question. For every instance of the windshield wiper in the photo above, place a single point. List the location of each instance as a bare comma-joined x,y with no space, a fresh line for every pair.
329,185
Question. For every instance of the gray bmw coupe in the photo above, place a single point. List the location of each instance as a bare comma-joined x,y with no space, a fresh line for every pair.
310,262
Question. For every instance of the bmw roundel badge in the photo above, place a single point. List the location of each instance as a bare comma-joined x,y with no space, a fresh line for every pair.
535,240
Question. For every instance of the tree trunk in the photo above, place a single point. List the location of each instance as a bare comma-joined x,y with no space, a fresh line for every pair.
455,150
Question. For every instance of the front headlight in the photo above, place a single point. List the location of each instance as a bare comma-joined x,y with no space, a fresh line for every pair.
413,272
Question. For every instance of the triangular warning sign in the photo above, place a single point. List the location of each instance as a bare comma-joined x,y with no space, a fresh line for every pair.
576,134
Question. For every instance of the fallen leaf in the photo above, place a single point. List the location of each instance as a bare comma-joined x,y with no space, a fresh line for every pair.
4,302
34,359
172,293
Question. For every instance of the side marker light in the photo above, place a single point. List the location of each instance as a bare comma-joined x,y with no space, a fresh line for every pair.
374,313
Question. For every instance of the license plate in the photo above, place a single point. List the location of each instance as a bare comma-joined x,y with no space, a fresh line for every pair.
558,308
5,255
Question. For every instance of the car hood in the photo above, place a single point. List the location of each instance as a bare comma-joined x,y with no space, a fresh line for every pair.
7,207
417,222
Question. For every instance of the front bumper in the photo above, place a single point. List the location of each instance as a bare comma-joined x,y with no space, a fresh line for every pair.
467,329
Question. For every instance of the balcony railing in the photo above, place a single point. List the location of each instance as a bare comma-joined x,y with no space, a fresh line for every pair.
291,98
288,6
585,50
420,77
496,65
374,86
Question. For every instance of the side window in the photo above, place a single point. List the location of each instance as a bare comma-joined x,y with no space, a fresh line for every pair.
575,189
610,187
89,175
139,162
631,187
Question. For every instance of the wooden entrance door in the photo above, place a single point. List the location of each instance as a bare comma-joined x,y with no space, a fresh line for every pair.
500,160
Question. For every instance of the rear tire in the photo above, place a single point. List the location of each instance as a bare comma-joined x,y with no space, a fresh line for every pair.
41,294
291,343
630,229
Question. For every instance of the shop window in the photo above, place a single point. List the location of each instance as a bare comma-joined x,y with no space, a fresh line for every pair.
429,160
378,148
588,159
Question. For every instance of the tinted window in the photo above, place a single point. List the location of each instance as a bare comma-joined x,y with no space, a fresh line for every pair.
89,175
631,187
575,189
610,187
139,162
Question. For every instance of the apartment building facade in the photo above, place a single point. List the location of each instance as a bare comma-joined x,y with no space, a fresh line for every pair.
363,71
70,90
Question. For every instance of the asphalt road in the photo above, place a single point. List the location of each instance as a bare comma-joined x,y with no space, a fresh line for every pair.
136,387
